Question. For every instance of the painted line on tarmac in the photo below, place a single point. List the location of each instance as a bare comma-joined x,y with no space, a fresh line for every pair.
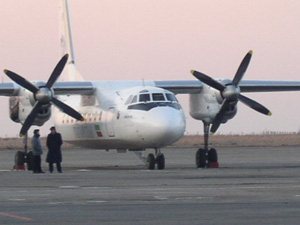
55,203
160,198
84,170
15,216
69,187
97,201
16,199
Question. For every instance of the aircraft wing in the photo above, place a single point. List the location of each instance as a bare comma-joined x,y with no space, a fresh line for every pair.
268,86
195,86
175,86
74,87
60,88
9,89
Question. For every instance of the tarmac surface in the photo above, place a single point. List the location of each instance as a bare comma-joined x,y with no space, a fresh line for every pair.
252,186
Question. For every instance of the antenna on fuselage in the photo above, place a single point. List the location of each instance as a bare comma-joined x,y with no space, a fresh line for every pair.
143,82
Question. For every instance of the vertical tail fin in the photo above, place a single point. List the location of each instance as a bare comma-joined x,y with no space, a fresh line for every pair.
70,72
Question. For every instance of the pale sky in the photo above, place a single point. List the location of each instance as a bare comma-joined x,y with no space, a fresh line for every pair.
161,39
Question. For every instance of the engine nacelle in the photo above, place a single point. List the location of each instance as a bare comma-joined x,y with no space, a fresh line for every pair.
21,106
206,105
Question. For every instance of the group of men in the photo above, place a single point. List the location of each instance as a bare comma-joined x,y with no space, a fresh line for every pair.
54,142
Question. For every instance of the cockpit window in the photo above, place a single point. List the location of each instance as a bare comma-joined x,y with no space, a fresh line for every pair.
144,91
128,99
134,99
171,97
144,98
146,101
158,97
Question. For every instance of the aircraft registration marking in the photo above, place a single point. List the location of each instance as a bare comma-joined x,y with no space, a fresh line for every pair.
84,131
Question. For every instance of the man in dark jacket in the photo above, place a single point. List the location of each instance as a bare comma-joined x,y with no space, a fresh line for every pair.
54,142
37,151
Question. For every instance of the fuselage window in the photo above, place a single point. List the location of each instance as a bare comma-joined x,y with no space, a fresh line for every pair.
134,99
144,98
158,97
171,97
128,100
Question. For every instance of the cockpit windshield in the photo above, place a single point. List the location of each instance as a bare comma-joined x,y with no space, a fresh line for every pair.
158,97
146,101
144,98
171,97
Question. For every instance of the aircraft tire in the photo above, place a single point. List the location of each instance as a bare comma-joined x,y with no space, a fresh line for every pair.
19,158
212,155
150,162
201,158
160,161
29,160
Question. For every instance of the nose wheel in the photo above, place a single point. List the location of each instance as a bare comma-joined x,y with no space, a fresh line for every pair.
158,159
206,157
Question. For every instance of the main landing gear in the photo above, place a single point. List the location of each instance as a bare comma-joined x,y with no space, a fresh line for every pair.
206,157
22,157
158,159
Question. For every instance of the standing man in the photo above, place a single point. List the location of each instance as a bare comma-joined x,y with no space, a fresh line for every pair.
37,151
54,143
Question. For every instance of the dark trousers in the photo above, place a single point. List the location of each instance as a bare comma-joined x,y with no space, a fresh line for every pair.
58,167
37,164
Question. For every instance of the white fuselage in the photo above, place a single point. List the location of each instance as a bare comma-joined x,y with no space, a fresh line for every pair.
116,119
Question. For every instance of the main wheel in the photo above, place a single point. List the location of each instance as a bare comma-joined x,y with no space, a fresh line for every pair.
201,158
150,162
160,159
19,158
212,155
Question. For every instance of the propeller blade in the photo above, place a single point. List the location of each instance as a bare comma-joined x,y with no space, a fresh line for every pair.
254,105
21,81
219,118
30,119
208,80
67,109
242,69
57,71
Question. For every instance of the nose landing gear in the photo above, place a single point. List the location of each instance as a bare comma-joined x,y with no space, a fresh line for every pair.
159,160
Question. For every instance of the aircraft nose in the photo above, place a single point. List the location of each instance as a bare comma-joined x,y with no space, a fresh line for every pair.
164,126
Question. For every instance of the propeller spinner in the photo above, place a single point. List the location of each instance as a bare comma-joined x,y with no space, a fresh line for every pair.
43,95
231,92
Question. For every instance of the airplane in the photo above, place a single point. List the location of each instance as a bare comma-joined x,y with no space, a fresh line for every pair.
129,115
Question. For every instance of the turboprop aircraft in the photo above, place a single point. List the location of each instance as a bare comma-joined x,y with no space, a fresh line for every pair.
130,115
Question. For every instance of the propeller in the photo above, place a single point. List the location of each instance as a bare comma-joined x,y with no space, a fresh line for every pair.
231,92
43,95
